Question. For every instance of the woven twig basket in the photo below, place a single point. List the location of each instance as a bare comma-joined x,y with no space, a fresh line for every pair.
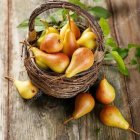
63,87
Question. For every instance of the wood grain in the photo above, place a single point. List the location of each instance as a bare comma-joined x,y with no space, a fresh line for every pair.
3,69
42,117
126,26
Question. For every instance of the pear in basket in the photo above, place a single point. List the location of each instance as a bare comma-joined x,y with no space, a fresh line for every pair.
57,62
88,39
46,32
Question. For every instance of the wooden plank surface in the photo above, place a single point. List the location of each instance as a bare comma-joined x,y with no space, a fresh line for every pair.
42,117
126,26
3,69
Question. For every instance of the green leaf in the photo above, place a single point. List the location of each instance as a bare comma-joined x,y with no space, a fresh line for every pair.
108,57
133,61
111,42
104,26
121,66
74,16
39,26
79,3
137,52
65,13
56,16
23,24
133,46
99,12
138,67
123,52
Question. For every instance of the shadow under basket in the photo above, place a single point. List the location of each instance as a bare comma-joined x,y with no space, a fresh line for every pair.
64,87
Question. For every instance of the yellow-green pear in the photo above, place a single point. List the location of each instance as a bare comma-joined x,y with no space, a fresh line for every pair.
82,59
69,43
46,32
111,116
87,30
39,60
88,39
25,88
57,62
84,103
74,28
105,92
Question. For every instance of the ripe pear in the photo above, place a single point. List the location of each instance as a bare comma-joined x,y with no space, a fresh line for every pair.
57,62
84,103
74,28
82,59
88,39
111,116
46,32
69,43
52,43
87,30
105,92
25,88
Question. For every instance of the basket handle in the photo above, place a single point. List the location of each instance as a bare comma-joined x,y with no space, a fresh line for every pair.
62,4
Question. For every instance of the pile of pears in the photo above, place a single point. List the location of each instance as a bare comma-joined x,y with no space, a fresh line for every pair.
65,50
109,114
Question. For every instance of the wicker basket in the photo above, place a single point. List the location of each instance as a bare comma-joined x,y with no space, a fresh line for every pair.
63,87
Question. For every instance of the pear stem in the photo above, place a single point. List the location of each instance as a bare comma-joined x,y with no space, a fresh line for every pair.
58,78
104,76
69,20
9,78
66,121
133,131
45,23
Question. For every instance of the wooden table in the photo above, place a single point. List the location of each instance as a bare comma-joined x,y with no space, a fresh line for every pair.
41,119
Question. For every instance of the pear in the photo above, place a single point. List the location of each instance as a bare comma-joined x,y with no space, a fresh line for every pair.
46,32
69,43
111,116
87,30
88,39
52,43
74,28
39,58
57,62
82,59
25,88
105,92
84,103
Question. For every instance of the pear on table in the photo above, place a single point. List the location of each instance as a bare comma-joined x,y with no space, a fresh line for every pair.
111,116
82,59
46,32
84,103
25,88
105,92
88,39
52,43
57,62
